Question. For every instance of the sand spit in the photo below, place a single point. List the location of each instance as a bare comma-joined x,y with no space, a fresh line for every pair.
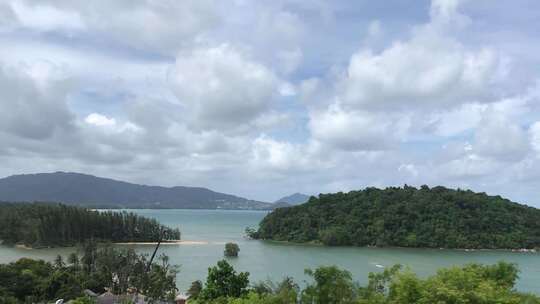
177,242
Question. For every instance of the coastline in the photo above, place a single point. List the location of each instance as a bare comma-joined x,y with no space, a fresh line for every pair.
319,244
170,242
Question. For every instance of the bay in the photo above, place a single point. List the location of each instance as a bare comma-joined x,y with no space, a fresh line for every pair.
271,260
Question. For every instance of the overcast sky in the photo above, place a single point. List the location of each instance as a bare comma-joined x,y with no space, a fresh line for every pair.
266,98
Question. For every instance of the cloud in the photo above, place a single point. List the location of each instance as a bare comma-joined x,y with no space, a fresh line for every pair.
99,120
427,71
162,27
289,96
221,88
44,18
289,60
110,124
501,139
277,155
34,100
535,136
446,12
352,130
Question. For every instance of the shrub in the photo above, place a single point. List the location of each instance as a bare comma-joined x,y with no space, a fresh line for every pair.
231,250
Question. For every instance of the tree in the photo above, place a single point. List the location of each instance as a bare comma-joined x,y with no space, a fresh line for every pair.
73,260
331,286
406,217
59,262
49,225
195,289
223,281
251,233
160,282
231,250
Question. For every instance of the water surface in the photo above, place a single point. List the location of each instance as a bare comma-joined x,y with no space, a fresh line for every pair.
270,260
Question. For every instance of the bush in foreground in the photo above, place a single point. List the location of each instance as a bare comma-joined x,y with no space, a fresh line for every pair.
474,283
98,269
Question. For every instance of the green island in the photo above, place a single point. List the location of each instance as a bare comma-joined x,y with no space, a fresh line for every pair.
38,225
435,217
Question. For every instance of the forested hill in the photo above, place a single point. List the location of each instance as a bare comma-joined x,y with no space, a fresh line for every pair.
407,217
49,225
88,190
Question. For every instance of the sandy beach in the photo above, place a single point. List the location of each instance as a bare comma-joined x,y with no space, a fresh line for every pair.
175,242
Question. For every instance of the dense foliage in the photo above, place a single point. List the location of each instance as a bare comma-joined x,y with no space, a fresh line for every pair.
38,225
224,282
231,250
97,269
472,283
407,217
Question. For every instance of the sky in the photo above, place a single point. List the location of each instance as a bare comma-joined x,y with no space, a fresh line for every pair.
266,98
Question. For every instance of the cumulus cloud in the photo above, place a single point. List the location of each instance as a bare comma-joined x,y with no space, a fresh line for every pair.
420,85
436,71
430,69
292,96
221,87
277,155
353,130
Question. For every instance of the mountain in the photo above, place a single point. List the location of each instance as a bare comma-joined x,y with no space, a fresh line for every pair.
88,190
407,217
294,199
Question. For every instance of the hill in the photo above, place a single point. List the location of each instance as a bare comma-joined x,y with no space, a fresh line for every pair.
88,190
406,217
294,199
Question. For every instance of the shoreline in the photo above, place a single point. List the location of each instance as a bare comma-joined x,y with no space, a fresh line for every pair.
170,242
314,244
319,244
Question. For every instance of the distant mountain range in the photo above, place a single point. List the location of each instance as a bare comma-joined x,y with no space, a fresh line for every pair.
294,199
92,191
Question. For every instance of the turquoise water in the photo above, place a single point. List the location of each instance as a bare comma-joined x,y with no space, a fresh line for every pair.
269,260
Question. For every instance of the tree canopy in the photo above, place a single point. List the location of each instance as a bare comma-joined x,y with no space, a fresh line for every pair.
223,281
231,250
406,217
48,225
96,269
473,283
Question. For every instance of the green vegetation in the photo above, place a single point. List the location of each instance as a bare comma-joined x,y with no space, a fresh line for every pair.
123,271
472,283
231,250
406,217
97,269
195,289
224,282
47,225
